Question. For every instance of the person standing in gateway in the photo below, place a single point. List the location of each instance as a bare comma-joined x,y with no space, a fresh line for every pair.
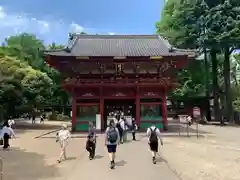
153,134
112,139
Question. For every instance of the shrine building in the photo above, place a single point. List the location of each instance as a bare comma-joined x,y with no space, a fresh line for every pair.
130,73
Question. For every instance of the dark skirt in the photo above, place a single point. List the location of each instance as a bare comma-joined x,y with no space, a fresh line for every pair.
91,147
153,146
112,148
6,138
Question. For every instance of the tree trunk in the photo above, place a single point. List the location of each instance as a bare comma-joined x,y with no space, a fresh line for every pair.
228,98
217,113
206,65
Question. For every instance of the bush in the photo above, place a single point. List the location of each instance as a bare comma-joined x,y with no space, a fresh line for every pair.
62,117
58,117
52,116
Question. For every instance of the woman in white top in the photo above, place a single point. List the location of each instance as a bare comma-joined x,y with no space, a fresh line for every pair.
63,137
6,134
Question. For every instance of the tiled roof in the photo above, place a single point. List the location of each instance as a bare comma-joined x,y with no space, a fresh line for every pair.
118,45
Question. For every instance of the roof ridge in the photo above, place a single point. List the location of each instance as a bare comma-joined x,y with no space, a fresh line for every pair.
185,50
116,36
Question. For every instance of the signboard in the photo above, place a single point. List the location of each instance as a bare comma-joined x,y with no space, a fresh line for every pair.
196,112
98,121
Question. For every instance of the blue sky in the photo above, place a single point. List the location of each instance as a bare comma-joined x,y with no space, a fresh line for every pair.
52,20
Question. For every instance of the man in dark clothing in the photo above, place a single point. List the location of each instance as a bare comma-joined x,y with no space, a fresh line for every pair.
133,128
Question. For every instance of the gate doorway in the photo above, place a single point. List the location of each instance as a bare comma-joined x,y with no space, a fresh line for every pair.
127,107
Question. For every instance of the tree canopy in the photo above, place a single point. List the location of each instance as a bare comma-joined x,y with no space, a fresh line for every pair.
25,78
211,24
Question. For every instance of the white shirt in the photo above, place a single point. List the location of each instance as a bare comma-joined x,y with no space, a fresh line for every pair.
189,119
115,120
64,135
7,130
157,132
122,124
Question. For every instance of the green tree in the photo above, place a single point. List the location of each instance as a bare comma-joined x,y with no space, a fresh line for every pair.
20,84
183,22
179,22
178,25
26,47
222,26
59,96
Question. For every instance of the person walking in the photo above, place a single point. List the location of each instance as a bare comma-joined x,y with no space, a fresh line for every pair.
120,131
134,128
91,140
111,141
11,123
63,137
42,117
6,134
189,120
153,134
123,128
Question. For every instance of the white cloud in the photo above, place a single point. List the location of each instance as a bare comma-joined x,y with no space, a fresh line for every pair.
111,33
51,30
21,22
2,13
76,28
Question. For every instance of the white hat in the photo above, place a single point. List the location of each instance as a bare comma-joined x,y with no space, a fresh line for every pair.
64,126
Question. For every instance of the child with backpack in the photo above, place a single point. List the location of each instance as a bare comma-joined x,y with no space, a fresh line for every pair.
90,146
111,141
91,140
153,134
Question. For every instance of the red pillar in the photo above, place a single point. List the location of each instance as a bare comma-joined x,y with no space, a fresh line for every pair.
102,112
137,108
102,108
164,111
74,120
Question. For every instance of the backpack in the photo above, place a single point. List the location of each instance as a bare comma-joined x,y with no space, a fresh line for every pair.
112,135
153,136
119,127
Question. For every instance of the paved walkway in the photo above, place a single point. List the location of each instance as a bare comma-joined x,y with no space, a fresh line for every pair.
133,162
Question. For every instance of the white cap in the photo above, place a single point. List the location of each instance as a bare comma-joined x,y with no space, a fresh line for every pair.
64,126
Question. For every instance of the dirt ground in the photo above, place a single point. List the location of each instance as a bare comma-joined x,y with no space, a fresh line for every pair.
212,156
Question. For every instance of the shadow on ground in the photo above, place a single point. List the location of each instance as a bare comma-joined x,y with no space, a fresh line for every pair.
182,128
37,126
98,157
120,163
52,135
19,164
